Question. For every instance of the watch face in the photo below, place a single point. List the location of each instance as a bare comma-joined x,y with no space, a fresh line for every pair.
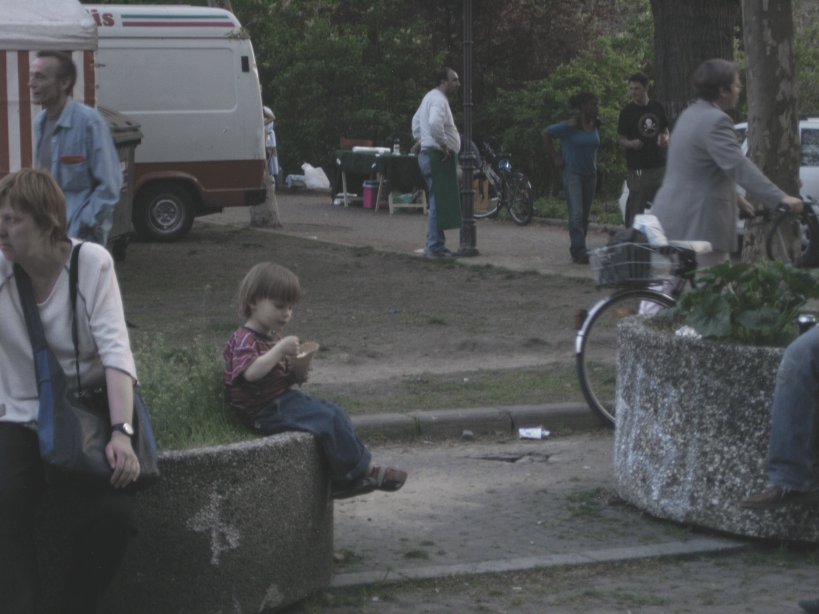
124,427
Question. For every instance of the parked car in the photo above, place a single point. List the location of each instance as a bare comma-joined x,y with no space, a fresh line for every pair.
809,168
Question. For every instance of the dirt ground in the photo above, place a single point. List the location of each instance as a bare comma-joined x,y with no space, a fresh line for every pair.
377,316
380,317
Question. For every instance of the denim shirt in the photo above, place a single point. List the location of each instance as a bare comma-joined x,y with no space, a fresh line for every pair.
85,163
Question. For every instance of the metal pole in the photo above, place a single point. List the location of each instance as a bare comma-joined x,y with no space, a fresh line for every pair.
468,236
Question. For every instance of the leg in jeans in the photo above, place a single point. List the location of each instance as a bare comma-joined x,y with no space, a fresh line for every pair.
794,421
295,411
435,238
573,186
21,484
589,183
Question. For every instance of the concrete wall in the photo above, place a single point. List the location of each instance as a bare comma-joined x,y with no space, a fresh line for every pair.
230,529
691,440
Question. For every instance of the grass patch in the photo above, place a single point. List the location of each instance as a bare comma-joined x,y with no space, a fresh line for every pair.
603,211
553,384
183,389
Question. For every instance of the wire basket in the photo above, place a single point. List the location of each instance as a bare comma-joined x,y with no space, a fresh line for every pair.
629,264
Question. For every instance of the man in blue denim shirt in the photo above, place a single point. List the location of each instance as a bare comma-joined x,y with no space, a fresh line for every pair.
75,144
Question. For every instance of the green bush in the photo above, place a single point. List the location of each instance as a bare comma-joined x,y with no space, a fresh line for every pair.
184,392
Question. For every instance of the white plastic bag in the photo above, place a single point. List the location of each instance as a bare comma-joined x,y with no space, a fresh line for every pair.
623,200
650,226
315,178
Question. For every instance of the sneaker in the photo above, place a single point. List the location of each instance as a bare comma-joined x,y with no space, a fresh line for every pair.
810,605
773,496
444,253
581,258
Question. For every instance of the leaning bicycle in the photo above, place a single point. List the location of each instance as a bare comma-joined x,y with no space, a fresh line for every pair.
508,189
779,245
646,279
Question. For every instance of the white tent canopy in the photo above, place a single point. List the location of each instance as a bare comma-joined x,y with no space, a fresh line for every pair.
46,24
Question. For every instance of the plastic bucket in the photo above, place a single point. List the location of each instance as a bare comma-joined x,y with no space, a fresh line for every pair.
370,194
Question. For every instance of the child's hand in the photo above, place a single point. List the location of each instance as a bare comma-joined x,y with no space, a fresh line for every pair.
288,346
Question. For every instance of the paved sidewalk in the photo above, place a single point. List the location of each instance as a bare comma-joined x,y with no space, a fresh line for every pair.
500,504
494,503
538,246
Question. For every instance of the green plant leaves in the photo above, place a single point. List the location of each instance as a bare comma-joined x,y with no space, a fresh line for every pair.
754,303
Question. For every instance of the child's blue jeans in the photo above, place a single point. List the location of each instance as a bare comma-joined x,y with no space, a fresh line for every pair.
329,424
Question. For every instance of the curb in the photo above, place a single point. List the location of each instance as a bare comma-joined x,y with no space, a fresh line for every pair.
589,557
438,424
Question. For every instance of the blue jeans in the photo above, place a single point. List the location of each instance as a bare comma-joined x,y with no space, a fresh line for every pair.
435,237
791,452
579,194
346,456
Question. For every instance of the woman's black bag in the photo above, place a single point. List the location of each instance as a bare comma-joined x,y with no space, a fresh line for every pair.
74,426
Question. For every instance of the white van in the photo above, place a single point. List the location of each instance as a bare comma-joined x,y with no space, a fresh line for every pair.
188,76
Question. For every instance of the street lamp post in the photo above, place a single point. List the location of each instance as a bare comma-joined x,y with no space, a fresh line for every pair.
468,235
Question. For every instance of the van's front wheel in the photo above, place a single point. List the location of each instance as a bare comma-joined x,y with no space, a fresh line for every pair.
163,212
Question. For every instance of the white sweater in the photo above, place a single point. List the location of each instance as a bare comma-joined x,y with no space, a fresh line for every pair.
103,336
433,125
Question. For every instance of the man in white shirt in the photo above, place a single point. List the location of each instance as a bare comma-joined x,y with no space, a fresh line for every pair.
437,142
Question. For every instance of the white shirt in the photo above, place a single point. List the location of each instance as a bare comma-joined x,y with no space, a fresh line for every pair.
433,125
103,336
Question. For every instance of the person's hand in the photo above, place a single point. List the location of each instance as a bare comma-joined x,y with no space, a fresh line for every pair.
558,161
122,459
416,148
288,346
637,144
794,205
746,209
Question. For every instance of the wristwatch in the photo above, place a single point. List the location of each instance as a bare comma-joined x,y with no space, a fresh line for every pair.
123,427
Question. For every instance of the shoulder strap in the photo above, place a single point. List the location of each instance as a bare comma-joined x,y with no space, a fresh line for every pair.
73,281
30,311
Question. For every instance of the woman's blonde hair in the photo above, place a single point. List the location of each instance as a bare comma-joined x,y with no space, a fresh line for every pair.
36,192
267,280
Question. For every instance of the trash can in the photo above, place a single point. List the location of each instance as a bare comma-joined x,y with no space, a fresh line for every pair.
127,135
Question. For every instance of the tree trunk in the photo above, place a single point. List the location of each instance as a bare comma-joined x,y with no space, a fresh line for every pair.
266,214
686,33
773,120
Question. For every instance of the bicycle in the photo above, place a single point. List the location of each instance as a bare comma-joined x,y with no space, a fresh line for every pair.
646,279
507,188
786,225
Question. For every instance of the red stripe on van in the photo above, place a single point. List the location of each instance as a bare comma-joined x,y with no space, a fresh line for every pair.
177,24
221,183
26,146
5,161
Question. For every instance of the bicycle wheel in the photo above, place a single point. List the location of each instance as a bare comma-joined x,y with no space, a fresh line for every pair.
596,344
777,243
520,200
494,201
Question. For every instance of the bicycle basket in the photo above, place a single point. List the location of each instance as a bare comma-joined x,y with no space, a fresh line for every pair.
625,264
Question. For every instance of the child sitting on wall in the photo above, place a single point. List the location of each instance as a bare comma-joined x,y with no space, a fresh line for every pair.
260,377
